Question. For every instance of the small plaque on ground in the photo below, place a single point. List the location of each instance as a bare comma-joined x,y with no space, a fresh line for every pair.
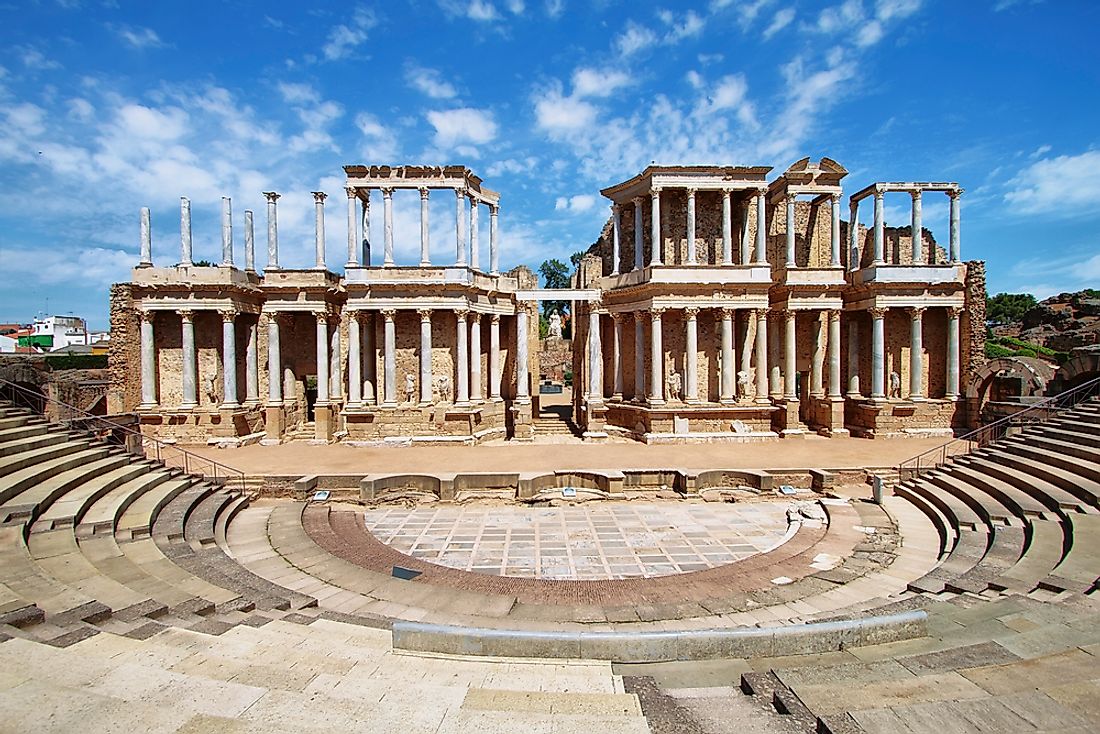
320,495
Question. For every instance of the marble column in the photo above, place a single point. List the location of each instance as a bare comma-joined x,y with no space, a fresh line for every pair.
817,359
727,229
761,228
249,242
878,353
523,392
954,247
229,359
727,380
476,394
272,231
638,259
916,353
365,208
655,239
853,235
746,243
775,356
789,199
460,227
185,231
952,388
148,362
790,367
425,356
319,228
834,231
917,228
336,371
370,360
834,353
639,356
853,356
617,356
355,359
252,365
462,359
387,227
146,240
227,232
190,367
762,356
322,359
656,358
595,357
691,226
615,231
494,358
748,336
425,244
353,229
389,365
274,362
494,247
475,244
691,356
880,232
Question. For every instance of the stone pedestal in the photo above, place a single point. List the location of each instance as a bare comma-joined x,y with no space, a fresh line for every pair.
523,428
786,419
274,423
324,419
836,417
596,424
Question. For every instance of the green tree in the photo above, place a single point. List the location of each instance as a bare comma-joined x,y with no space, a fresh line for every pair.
1007,308
555,274
576,258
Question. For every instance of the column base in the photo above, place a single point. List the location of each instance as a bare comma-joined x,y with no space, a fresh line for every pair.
655,402
187,406
229,406
274,422
147,407
727,400
322,416
917,398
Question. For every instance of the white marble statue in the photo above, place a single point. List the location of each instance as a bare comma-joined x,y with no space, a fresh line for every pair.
744,384
554,331
410,387
443,385
673,383
895,385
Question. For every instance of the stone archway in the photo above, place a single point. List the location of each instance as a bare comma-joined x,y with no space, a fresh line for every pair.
30,385
1084,366
1033,376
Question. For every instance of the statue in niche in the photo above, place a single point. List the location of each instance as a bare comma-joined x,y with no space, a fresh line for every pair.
673,383
368,391
895,385
443,386
410,387
554,331
211,385
744,383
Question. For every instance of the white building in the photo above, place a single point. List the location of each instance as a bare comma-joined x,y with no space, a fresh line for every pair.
62,331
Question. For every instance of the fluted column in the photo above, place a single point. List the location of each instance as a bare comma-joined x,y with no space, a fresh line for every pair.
617,356
389,346
523,314
336,371
639,356
615,227
249,242
460,227
425,244
790,368
353,229
319,228
148,361
834,231
229,359
185,231
425,356
917,228
691,356
476,394
656,358
355,359
272,231
638,260
656,245
761,356
595,357
475,244
878,353
853,235
462,356
494,358
817,358
494,246
880,231
955,246
227,232
252,365
834,353
322,359
727,379
274,362
146,239
691,226
916,353
952,388
790,200
365,207
387,227
727,229
761,228
190,393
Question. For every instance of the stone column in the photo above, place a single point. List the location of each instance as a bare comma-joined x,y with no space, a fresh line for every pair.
387,227
916,353
834,231
425,356
475,245
494,358
146,240
639,356
617,356
952,391
355,360
227,232
691,358
336,370
853,357
853,235
746,244
249,242
389,392
878,353
656,245
148,362
727,229
727,379
190,367
425,245
365,206
353,230
880,233
748,337
595,357
185,231
775,356
370,360
272,232
319,228
252,365
462,359
523,394
656,358
790,367
955,247
460,227
494,248
790,199
761,356
615,227
691,226
761,228
638,260
476,394
274,362
834,353
817,360
229,359
917,229
322,359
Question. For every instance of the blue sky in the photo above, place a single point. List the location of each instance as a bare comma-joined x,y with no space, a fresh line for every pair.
109,106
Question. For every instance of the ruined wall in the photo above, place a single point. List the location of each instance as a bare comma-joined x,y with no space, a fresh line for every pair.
972,328
124,351
813,235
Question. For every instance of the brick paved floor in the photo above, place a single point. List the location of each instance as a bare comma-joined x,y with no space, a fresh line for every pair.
586,542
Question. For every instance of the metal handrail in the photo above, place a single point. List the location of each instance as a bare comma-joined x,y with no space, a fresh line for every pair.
160,447
1039,412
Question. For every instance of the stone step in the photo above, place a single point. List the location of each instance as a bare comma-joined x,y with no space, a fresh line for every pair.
1069,448
36,461
1044,551
70,509
110,469
1080,566
1050,485
103,515
1074,469
959,513
1014,499
29,438
137,519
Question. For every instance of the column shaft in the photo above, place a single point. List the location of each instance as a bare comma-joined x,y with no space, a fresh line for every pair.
319,228
523,393
274,362
746,243
762,356
355,359
146,239
322,359
227,232
387,227
389,393
790,232
617,355
370,360
748,335
365,206
229,360
462,359
834,354
615,231
494,357
880,232
638,261
878,354
854,390
727,230
425,356
185,231
916,354
249,242
955,246
761,228
656,359
790,367
336,370
190,368
691,357
853,236
475,244
639,356
272,231
917,228
494,247
425,245
148,361
952,388
834,231
353,230
460,227
691,226
817,360
595,358
727,378
476,394
252,365
656,245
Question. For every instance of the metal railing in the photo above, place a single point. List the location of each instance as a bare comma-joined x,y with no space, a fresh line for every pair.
112,430
1034,414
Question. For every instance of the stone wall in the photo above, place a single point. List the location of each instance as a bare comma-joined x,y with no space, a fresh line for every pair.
555,356
972,328
124,352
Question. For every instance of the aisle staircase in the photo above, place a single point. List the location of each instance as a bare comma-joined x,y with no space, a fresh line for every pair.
556,420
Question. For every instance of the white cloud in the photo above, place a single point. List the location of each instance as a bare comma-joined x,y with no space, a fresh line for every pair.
512,165
343,39
379,142
138,37
843,17
575,204
559,115
1065,186
429,82
34,59
462,126
1039,152
1061,275
296,93
481,10
780,20
691,25
598,82
554,8
635,38
1003,5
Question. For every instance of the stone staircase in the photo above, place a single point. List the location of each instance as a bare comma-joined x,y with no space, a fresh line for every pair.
556,420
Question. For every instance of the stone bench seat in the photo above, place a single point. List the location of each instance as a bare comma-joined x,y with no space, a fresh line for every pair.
1045,542
97,477
1076,475
958,512
1063,433
43,459
1037,480
1080,566
34,474
973,491
1070,447
60,603
89,511
29,438
1003,500
137,515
